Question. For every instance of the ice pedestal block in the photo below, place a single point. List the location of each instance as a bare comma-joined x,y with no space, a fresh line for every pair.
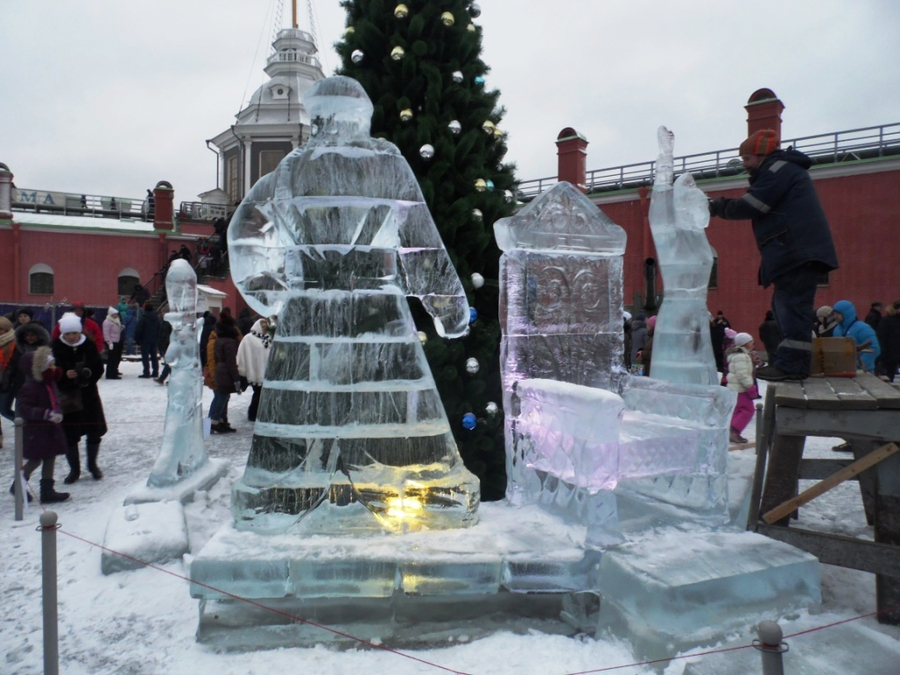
520,561
680,590
349,422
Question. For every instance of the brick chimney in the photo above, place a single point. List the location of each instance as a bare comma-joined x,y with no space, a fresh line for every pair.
763,111
6,179
571,151
164,206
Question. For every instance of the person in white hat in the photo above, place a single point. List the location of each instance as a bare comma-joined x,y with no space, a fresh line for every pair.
741,378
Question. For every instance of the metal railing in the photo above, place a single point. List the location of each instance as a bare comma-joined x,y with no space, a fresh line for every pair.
834,148
69,204
202,211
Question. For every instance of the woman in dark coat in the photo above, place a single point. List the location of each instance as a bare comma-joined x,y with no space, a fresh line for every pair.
39,406
227,377
80,362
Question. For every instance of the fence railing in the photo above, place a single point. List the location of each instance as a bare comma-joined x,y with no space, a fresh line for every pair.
834,148
203,211
70,204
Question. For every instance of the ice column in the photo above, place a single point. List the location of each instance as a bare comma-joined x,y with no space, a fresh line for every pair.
560,307
682,350
350,429
182,450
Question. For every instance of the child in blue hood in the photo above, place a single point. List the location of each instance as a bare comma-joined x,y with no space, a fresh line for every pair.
861,332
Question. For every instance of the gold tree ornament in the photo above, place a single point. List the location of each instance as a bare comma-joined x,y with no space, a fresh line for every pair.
397,53
488,127
480,185
401,11
406,115
447,19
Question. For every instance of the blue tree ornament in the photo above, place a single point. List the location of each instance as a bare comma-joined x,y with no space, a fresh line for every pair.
473,315
469,421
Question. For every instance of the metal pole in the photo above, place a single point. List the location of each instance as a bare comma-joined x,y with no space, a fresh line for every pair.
18,480
48,578
770,647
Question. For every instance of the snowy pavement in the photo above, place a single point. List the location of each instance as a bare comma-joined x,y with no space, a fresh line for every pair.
144,621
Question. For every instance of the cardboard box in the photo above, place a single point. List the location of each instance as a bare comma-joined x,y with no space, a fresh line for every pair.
834,357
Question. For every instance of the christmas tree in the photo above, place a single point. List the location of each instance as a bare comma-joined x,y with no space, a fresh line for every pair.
419,62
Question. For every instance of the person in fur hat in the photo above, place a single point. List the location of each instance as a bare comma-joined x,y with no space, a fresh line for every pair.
39,405
741,380
794,242
252,357
114,341
78,358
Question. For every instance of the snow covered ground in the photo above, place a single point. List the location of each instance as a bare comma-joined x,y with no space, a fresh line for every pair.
144,621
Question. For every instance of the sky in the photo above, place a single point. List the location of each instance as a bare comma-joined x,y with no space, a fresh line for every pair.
108,98
143,621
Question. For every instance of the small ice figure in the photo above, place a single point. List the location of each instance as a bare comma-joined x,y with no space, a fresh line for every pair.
182,450
682,349
350,433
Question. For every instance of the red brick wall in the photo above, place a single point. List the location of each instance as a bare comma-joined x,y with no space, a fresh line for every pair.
864,214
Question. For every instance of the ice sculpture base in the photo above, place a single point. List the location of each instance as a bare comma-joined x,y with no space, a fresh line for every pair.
144,533
202,479
681,590
521,562
432,498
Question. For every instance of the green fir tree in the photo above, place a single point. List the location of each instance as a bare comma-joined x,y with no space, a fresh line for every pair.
419,61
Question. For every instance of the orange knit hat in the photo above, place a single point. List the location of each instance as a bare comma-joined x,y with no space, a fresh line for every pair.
761,142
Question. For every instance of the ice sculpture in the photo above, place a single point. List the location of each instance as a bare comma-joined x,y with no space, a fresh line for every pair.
679,214
682,350
350,429
182,450
560,304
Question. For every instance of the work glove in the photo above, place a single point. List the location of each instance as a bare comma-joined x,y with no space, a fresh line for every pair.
717,206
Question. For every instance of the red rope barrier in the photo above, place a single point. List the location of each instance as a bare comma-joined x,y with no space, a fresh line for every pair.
396,652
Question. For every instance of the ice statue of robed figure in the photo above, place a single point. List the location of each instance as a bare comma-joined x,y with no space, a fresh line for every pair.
350,433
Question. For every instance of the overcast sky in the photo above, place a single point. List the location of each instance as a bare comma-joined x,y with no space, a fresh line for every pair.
110,96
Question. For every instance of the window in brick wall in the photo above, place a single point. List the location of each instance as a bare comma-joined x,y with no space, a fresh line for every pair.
40,280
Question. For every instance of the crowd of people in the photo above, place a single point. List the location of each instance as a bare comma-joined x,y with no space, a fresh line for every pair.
49,378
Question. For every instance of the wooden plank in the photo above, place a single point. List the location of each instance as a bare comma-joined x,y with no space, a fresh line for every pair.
765,428
820,488
834,549
875,424
884,394
820,395
783,470
851,395
790,394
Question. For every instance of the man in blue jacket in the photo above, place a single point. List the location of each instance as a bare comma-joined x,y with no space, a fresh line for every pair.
794,243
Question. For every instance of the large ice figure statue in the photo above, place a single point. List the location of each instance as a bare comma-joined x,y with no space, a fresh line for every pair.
679,214
182,450
350,434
